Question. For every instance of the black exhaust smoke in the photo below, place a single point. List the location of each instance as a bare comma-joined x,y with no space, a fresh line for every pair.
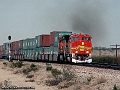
90,20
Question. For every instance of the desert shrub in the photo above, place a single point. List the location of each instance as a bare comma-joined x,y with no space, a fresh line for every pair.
48,67
66,85
52,82
55,72
31,80
68,74
88,80
5,63
12,65
30,76
26,70
18,64
115,87
33,67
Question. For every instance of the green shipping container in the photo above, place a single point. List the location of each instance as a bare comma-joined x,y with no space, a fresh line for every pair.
53,50
21,51
25,52
6,46
32,43
37,41
37,50
46,50
26,43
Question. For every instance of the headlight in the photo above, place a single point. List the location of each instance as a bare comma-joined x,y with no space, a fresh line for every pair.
82,43
76,52
87,51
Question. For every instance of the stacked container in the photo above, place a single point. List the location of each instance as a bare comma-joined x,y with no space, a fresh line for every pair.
37,41
20,44
14,47
2,50
45,40
6,46
32,43
25,43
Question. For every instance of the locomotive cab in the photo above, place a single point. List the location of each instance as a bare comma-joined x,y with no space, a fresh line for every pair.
81,48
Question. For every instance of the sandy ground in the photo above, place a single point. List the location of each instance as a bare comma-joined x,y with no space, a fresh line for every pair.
100,79
19,79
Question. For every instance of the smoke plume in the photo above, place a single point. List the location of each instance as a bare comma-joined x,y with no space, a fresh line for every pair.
90,20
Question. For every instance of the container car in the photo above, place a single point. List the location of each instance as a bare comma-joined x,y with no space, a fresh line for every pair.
58,46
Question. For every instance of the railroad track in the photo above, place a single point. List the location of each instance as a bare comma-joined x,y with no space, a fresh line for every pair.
93,64
101,65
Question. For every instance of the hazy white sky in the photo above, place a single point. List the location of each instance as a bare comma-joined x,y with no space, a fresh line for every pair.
28,18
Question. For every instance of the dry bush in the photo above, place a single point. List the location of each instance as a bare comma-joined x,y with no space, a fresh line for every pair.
68,73
66,85
29,76
26,70
17,64
48,67
5,63
52,82
56,80
30,80
33,67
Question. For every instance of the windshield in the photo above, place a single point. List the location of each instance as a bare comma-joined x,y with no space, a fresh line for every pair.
74,39
86,38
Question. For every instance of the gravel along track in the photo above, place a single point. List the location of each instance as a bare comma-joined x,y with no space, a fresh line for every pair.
101,79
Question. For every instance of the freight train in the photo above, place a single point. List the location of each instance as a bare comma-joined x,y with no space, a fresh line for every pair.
58,46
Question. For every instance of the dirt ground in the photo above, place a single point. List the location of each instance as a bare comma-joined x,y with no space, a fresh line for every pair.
86,78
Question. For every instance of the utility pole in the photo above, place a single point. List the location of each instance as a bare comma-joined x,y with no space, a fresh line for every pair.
116,52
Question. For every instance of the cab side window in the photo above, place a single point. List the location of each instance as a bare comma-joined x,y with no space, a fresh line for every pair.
75,39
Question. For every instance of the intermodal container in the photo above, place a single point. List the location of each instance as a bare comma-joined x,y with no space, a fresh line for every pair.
55,35
3,48
30,52
37,41
6,52
6,45
44,40
1,53
45,50
54,50
20,51
33,52
15,45
20,44
26,43
11,46
16,51
38,51
32,43
25,52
